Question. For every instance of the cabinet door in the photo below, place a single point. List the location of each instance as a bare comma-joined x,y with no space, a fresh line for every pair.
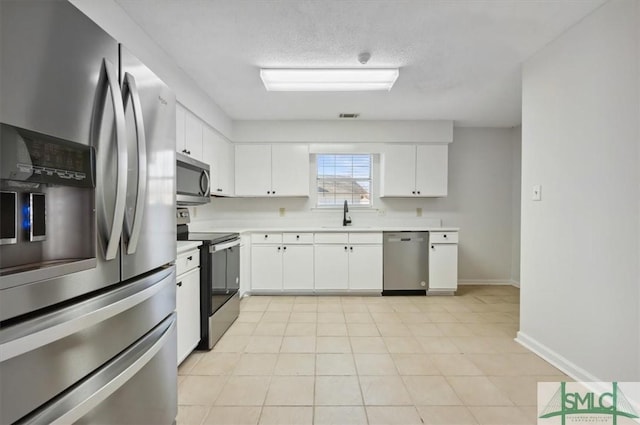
253,170
431,170
398,171
209,155
365,267
266,267
331,267
290,170
193,136
245,264
297,266
181,115
443,267
225,168
188,311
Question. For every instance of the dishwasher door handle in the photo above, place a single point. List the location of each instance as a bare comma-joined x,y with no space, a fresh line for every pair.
406,240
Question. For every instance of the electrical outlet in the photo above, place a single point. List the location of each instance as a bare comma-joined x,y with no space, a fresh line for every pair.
536,194
418,212
281,212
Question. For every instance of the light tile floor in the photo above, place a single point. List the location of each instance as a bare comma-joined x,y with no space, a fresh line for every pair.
367,360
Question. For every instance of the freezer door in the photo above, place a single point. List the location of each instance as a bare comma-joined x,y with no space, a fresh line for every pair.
42,357
149,237
137,387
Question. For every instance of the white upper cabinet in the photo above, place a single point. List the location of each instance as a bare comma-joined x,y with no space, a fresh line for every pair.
218,153
431,170
414,171
272,170
188,133
253,170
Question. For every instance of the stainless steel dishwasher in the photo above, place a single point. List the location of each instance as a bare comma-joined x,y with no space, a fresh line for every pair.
406,263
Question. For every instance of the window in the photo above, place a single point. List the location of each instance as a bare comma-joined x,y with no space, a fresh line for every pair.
343,177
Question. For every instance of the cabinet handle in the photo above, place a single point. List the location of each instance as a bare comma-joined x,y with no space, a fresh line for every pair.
268,192
285,248
273,193
444,236
279,248
184,151
219,190
345,248
266,236
418,192
351,248
179,283
433,247
297,236
190,258
414,192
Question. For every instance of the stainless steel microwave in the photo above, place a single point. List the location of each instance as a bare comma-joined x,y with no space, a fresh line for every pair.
193,182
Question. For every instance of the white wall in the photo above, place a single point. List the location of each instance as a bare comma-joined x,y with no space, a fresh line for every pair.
114,20
580,275
480,203
516,184
353,131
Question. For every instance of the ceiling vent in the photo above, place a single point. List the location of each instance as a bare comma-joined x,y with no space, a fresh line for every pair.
351,116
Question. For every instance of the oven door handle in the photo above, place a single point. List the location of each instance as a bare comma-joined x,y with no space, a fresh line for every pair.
222,246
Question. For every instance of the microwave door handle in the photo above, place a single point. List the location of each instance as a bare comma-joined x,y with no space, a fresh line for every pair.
130,90
205,175
121,149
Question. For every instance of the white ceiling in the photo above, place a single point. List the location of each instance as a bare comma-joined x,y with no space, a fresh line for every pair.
459,59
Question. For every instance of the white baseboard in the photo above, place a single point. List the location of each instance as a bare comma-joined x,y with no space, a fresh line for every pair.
484,282
515,283
562,363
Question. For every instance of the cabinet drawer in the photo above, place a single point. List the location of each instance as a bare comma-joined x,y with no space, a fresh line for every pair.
293,238
187,261
266,238
443,237
339,238
368,238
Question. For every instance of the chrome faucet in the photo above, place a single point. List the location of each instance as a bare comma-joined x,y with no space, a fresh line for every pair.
346,220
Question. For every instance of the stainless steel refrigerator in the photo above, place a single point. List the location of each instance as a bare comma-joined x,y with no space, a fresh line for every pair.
88,232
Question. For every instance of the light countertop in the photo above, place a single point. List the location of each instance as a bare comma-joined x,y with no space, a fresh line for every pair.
327,229
184,246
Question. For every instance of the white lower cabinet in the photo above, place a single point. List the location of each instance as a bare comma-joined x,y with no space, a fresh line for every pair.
443,262
352,266
281,261
266,267
331,267
297,267
365,267
188,302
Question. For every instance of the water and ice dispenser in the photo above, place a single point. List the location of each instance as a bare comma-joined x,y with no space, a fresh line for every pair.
47,204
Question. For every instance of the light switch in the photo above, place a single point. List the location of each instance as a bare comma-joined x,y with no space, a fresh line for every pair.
536,194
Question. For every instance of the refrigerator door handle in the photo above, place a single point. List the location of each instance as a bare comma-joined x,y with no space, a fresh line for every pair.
121,148
83,399
130,90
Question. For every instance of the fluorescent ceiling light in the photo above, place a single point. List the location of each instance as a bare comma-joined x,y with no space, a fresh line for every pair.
330,79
